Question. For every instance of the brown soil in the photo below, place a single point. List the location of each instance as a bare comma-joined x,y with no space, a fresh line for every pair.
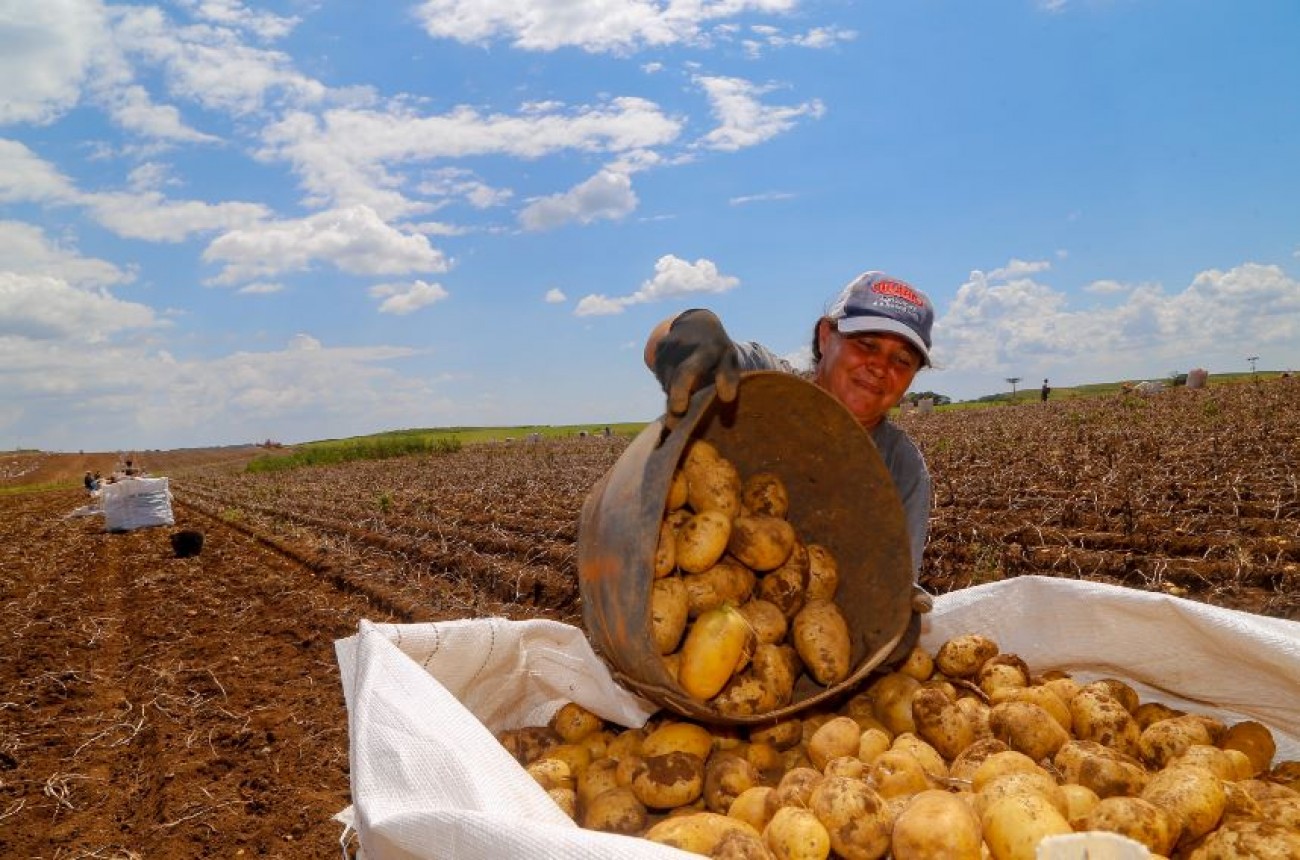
162,707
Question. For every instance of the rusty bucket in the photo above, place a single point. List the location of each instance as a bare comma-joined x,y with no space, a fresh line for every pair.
841,496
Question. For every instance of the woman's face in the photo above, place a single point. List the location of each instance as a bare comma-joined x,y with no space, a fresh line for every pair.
869,373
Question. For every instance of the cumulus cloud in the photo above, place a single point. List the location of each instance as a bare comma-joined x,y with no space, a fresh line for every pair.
25,250
353,240
673,277
1013,320
817,38
605,196
40,307
555,296
403,299
598,26
49,49
743,119
351,156
27,178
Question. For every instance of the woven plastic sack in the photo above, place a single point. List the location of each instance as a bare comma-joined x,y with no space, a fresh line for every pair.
429,779
136,503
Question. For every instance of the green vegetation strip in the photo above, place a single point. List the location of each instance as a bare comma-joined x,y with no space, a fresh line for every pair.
368,448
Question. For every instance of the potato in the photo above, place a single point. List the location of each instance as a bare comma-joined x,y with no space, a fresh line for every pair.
871,744
1152,712
891,695
1283,810
836,737
823,572
761,543
669,613
936,824
778,668
854,816
897,772
1079,801
962,656
1255,740
1098,716
751,806
1100,768
597,743
1225,764
529,743
576,756
551,773
1193,795
615,810
625,743
1040,783
787,586
966,762
919,664
766,759
782,734
1135,818
845,765
764,493
678,736
676,491
941,722
728,581
726,776
669,780
1117,690
1001,672
700,832
1014,825
713,648
821,636
1249,840
745,695
712,482
978,713
666,550
767,619
599,776
566,799
931,761
1286,773
702,540
1039,695
1166,739
1000,764
572,722
796,834
1028,728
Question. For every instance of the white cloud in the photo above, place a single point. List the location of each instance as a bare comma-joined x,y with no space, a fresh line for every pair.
264,25
260,288
673,277
1105,287
403,299
25,250
555,296
149,215
1019,268
44,308
606,196
760,198
25,177
598,26
48,50
743,119
817,38
996,325
356,157
353,240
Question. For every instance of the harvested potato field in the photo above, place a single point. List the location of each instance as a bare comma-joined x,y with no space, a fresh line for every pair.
163,707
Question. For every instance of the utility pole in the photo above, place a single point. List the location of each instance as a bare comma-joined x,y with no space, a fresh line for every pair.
1013,380
1252,359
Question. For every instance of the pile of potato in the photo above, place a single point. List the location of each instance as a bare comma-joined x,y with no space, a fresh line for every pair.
741,607
960,754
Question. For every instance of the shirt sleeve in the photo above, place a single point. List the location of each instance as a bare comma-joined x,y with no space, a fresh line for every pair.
912,479
755,356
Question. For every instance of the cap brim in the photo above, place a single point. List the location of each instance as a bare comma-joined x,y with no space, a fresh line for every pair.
866,323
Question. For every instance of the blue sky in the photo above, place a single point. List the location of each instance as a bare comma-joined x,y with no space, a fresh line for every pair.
223,222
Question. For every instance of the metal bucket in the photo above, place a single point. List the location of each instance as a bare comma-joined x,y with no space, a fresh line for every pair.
841,496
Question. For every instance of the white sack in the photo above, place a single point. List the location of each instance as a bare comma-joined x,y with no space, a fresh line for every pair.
429,779
136,503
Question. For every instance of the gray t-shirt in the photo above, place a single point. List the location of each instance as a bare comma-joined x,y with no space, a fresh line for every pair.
902,458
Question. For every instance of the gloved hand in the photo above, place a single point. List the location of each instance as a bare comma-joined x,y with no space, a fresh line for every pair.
695,352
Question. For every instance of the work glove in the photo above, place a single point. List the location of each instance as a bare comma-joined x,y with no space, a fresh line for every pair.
694,353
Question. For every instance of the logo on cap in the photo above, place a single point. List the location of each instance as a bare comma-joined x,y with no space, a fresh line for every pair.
897,290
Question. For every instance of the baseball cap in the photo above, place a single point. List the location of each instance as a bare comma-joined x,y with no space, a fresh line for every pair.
876,302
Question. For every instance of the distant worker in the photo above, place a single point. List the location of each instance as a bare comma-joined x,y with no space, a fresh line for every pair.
866,351
89,481
1044,391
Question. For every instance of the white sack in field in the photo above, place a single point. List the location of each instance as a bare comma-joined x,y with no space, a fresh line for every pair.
136,503
429,779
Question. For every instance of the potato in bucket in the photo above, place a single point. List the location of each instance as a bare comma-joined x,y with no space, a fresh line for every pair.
840,499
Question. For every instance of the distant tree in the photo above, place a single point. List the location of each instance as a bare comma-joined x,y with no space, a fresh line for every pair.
1176,378
917,396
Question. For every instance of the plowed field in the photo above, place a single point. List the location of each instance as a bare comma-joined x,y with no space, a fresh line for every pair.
158,707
